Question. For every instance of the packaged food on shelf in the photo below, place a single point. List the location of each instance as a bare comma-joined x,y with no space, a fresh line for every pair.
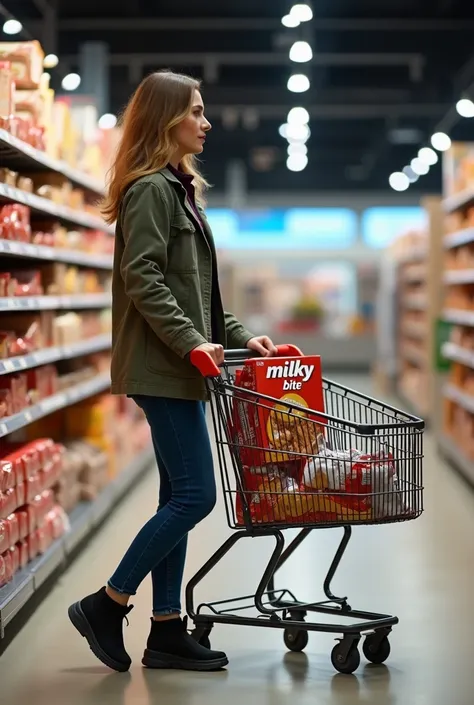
26,59
6,568
15,222
7,87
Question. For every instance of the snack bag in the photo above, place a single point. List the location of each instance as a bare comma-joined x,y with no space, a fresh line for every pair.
273,493
271,432
352,485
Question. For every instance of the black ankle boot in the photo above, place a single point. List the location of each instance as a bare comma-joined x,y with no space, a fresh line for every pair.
170,646
99,619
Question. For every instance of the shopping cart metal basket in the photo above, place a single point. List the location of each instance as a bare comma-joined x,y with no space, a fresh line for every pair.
351,421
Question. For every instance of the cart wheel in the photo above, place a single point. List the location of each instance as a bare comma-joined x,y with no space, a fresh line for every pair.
343,663
376,651
295,640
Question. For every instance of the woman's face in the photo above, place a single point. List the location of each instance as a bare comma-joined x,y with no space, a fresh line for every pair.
190,133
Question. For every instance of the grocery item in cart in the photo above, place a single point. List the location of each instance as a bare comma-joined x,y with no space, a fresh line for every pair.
272,492
360,481
278,429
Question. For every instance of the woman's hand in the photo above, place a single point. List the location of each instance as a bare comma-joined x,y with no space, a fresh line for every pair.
214,350
263,345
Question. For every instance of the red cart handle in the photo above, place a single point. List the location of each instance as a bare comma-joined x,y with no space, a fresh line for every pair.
208,368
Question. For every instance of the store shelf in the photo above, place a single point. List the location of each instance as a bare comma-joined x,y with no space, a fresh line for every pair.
414,330
54,254
50,303
413,256
459,276
411,402
413,355
458,354
452,452
462,398
414,274
84,519
415,303
49,355
45,206
23,157
460,237
58,401
458,200
462,318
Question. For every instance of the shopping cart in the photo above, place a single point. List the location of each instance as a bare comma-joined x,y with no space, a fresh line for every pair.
351,420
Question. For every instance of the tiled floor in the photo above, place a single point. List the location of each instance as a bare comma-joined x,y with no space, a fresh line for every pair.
422,571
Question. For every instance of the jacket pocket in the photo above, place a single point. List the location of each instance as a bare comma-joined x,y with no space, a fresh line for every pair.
182,252
161,360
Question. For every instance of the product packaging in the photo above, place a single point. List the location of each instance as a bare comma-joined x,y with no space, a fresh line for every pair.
270,431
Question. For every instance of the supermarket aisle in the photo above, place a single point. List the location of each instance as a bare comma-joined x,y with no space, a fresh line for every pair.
422,571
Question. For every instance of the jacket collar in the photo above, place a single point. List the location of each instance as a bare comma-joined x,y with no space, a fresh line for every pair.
169,175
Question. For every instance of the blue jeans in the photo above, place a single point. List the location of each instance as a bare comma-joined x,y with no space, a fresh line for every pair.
187,495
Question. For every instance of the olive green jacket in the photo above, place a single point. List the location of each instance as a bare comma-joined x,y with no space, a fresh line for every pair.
161,293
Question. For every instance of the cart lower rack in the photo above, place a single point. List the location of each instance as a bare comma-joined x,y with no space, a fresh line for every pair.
383,476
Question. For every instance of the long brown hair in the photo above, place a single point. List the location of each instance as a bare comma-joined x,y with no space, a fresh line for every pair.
161,101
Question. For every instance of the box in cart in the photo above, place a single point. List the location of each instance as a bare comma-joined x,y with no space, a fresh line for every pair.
272,430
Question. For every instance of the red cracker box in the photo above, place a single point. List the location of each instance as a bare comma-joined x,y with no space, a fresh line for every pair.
271,432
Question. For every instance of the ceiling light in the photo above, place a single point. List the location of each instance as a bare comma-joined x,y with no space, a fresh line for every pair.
301,52
441,141
71,81
297,133
107,121
428,155
412,177
283,130
290,21
50,61
419,167
298,83
12,27
465,108
298,116
399,181
302,12
297,162
297,148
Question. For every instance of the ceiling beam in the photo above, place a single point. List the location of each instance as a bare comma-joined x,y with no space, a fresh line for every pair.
412,60
218,24
336,112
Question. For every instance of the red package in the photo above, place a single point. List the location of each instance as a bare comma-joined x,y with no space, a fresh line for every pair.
32,489
281,432
15,559
21,494
27,519
45,537
7,503
26,458
7,476
23,523
6,568
23,553
5,542
56,521
32,543
14,528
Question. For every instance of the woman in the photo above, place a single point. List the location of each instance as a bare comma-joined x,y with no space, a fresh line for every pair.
166,303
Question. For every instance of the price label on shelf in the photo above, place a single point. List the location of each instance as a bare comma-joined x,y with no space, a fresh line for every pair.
9,365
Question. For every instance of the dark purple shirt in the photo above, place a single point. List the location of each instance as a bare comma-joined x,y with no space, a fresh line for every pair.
187,181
